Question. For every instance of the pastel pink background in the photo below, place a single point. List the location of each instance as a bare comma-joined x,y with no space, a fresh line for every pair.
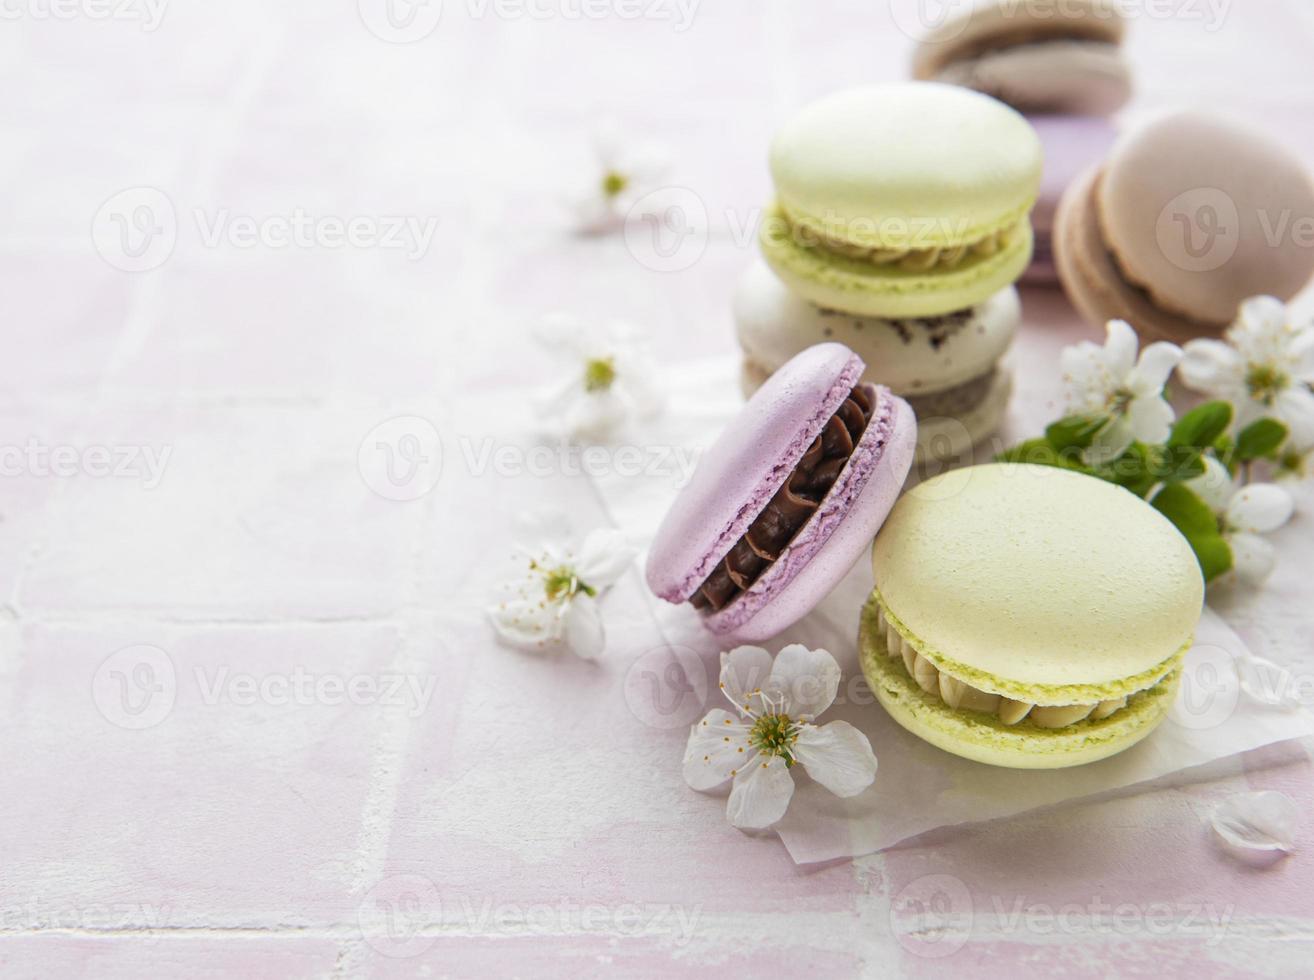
273,838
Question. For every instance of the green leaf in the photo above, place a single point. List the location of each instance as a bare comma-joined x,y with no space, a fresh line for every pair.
1131,470
1260,440
1201,425
1173,464
1040,452
1075,431
1198,525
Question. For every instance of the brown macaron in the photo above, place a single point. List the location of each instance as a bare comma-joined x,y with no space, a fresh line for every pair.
1189,216
1037,55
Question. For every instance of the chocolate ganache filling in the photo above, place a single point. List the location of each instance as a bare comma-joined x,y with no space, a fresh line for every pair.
791,507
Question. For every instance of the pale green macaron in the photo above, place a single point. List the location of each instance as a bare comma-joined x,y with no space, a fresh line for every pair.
902,200
1028,616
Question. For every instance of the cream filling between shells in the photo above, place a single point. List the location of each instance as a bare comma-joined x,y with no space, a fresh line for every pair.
958,694
909,259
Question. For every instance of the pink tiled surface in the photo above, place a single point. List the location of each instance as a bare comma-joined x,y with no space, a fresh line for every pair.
184,808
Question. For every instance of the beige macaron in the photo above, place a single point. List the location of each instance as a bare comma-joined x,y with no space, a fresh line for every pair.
1190,215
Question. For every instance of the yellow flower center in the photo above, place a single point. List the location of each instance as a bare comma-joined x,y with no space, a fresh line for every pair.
599,374
1266,382
614,183
775,735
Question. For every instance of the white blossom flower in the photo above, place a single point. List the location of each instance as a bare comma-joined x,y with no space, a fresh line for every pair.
1110,381
1244,513
1265,368
556,601
609,377
626,171
772,730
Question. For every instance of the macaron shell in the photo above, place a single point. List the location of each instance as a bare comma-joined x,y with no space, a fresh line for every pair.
1093,281
909,165
911,357
1083,77
983,738
1058,583
1191,206
864,289
993,24
746,465
836,537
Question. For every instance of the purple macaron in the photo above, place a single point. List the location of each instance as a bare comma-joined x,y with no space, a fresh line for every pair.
787,499
1072,144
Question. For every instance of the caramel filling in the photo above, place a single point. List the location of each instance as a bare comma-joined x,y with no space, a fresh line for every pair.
959,694
792,506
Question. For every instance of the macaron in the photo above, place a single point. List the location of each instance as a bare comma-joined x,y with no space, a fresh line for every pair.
787,499
1188,216
901,200
946,367
1036,55
1073,145
1028,616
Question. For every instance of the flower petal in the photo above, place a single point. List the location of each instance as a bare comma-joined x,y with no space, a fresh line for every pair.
1120,348
1086,379
604,557
527,624
1252,557
1260,821
583,630
1264,316
1214,486
744,672
1295,407
806,680
1210,366
838,756
761,794
1152,370
1110,442
1150,418
717,746
1260,508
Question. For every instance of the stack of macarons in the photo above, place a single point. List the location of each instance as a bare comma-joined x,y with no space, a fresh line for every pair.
1190,215
1061,64
899,227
